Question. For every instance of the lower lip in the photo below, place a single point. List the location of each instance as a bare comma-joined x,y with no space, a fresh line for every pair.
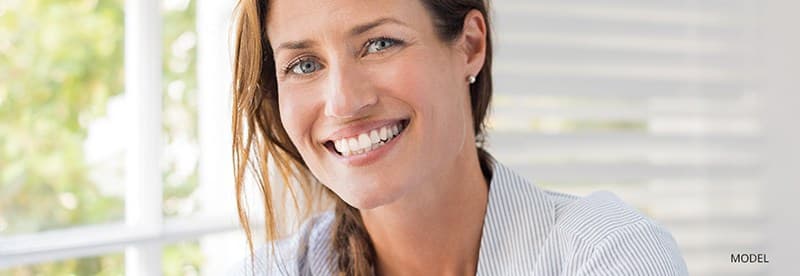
373,156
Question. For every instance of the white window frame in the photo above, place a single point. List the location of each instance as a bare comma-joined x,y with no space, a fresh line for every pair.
145,231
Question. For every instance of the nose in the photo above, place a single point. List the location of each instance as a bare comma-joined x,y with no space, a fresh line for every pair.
348,94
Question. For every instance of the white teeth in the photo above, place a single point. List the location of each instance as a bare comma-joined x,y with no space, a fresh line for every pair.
367,141
382,133
363,141
353,143
342,146
373,137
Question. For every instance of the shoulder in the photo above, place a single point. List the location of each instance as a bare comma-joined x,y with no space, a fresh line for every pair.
309,249
594,216
597,234
590,217
614,237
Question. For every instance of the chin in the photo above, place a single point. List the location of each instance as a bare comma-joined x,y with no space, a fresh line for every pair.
364,203
367,199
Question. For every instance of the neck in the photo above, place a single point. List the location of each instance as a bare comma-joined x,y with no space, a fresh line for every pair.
436,230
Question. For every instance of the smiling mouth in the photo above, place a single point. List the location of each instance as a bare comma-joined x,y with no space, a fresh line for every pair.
366,141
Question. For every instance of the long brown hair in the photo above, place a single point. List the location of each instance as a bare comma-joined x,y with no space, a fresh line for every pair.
259,136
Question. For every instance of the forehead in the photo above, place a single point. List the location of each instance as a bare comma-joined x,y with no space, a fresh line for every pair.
301,19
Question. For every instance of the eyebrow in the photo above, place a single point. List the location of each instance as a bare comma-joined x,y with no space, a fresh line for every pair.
357,30
293,45
360,29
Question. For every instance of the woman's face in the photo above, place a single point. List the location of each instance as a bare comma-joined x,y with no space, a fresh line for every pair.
375,102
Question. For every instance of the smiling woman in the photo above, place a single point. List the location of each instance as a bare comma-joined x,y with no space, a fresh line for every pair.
379,106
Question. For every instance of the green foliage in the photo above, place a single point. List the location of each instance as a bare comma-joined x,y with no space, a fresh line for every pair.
180,104
109,265
60,63
182,259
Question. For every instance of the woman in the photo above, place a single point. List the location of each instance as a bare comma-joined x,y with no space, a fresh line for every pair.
379,107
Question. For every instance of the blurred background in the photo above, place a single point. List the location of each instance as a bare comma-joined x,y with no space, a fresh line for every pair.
115,146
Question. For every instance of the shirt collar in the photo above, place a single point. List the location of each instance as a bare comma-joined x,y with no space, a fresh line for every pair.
519,217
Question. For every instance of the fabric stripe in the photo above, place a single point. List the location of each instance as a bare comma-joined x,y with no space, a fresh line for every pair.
527,231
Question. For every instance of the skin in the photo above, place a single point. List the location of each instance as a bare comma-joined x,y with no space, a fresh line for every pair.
424,201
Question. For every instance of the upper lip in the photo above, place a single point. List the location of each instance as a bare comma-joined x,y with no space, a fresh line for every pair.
358,128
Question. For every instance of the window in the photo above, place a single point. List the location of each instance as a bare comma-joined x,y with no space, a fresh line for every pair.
101,107
58,73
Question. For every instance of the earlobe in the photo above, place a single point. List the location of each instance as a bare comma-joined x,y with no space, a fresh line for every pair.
473,41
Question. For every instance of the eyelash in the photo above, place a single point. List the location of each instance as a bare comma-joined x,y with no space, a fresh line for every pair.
294,63
394,43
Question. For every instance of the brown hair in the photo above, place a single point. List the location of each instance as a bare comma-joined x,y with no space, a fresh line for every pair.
259,136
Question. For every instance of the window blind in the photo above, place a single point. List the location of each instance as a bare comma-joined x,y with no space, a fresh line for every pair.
652,100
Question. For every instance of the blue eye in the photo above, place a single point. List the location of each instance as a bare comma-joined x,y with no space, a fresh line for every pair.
305,66
380,44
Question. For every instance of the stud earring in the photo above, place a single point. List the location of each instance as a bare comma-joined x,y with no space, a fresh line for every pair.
471,79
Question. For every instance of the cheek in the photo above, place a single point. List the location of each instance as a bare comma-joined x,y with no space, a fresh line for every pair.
429,86
296,120
412,80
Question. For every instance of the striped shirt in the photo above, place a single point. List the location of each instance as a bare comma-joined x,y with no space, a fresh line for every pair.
527,231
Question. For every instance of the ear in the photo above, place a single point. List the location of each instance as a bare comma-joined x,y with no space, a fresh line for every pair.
473,42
